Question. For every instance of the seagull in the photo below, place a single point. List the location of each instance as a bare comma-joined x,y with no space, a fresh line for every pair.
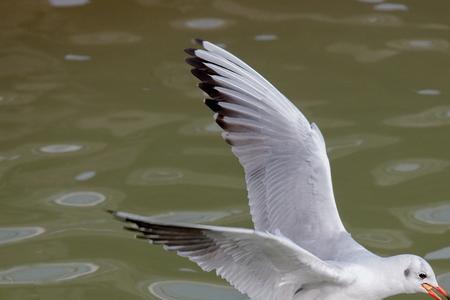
299,248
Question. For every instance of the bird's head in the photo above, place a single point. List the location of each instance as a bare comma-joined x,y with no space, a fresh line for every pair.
420,278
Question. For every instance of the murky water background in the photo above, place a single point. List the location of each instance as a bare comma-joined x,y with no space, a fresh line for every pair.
98,110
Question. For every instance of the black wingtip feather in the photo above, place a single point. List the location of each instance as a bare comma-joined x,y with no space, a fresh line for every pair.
220,121
209,89
195,62
201,74
199,41
213,105
190,51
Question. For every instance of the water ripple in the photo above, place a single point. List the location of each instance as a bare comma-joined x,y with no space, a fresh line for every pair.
105,38
86,175
390,7
14,234
428,92
434,218
124,123
202,24
433,117
420,44
68,3
345,145
15,98
395,172
63,149
383,238
76,57
191,290
80,199
173,75
60,148
46,273
168,176
252,13
265,37
200,126
361,53
443,253
202,151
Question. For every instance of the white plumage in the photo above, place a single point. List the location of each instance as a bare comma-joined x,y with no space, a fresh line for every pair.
299,248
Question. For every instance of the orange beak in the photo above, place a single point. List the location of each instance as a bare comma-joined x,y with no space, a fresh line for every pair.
435,291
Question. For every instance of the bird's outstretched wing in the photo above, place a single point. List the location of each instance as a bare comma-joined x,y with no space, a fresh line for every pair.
261,265
284,156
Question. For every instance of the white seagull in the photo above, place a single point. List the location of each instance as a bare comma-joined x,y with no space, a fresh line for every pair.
299,248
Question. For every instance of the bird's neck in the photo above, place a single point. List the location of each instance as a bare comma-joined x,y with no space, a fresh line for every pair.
387,274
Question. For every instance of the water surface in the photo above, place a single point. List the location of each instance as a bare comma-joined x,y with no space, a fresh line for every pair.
98,110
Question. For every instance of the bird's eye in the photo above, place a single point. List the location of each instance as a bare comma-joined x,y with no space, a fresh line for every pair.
406,272
422,275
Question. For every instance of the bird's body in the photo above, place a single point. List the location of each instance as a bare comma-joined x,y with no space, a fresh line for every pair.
299,248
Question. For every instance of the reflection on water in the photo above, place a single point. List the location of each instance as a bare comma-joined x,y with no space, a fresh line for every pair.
433,117
382,238
86,175
23,62
334,123
346,145
391,7
383,20
428,92
396,172
170,76
46,273
201,151
105,38
80,199
431,218
202,23
265,37
439,215
68,3
258,14
253,13
14,98
28,153
200,126
443,253
420,45
61,148
170,176
361,53
187,270
123,123
14,234
191,290
76,57
371,1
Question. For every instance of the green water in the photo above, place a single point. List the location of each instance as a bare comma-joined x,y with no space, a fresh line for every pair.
98,110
